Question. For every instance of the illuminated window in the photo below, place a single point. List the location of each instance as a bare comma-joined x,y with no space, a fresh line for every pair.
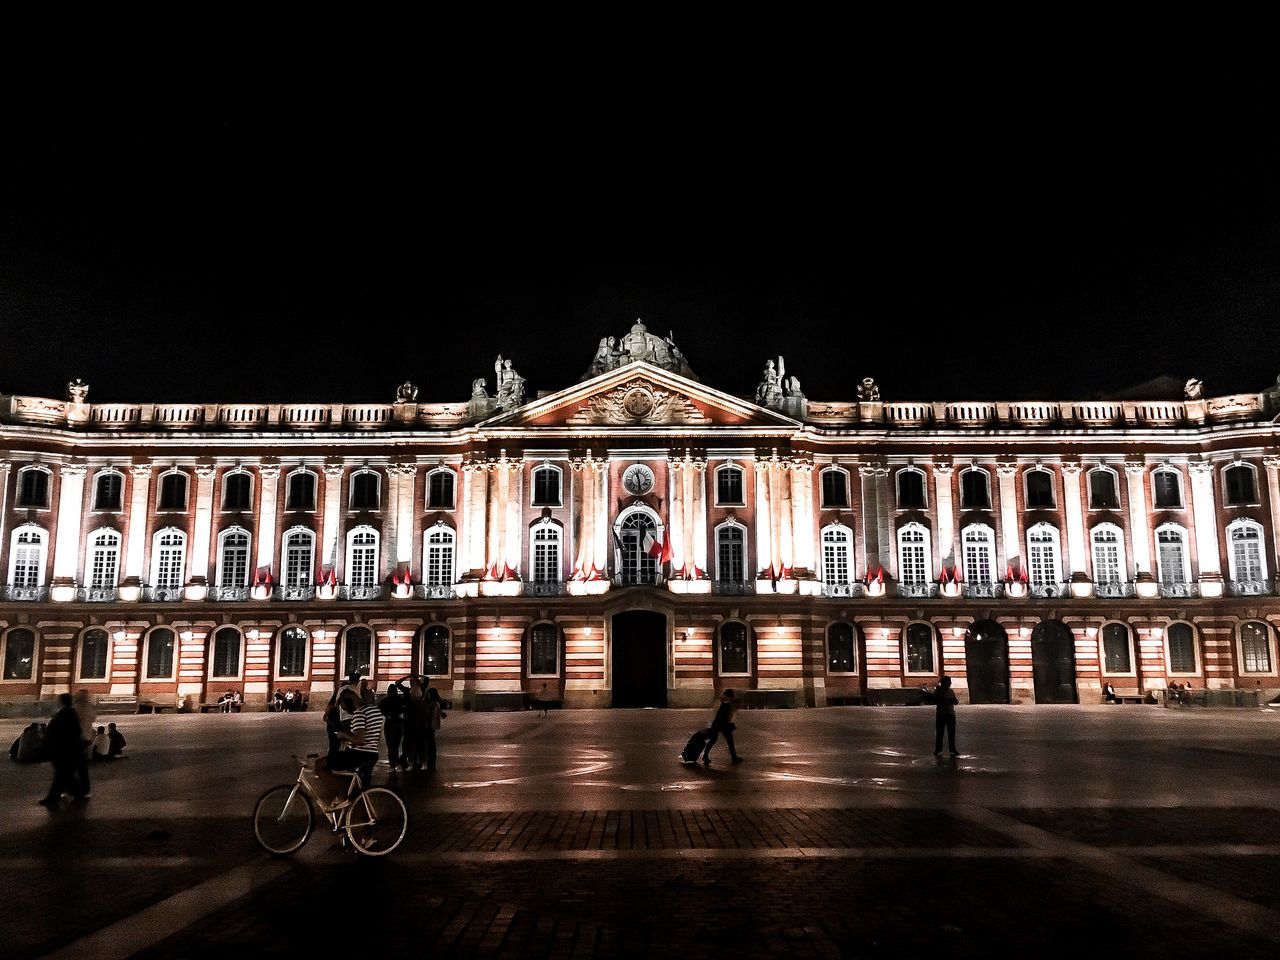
1042,555
544,547
299,549
731,553
978,542
439,557
1171,555
1108,554
362,557
837,560
27,551
913,555
1246,560
1255,647
233,557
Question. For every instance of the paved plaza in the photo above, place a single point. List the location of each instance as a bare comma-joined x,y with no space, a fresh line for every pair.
1132,831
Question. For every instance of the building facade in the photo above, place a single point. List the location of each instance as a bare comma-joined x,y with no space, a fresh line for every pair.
639,538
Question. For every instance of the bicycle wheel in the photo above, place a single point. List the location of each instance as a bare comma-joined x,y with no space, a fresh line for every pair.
376,821
283,818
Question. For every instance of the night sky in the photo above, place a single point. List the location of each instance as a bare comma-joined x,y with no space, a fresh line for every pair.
952,254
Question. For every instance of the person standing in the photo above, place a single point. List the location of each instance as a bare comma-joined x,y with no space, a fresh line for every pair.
87,713
945,718
360,744
435,711
392,708
66,753
723,726
417,724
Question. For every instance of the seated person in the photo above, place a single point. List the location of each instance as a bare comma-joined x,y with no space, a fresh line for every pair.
29,747
101,744
1108,693
115,743
360,741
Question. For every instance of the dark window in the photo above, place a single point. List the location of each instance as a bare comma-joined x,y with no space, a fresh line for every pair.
226,652
173,491
731,564
1255,646
544,643
435,651
1102,490
1182,648
729,486
293,652
1240,485
364,491
835,489
359,655
440,491
842,655
733,648
1039,489
107,491
1166,489
302,492
160,654
236,491
33,489
93,655
546,487
919,648
1115,648
974,494
910,489
19,654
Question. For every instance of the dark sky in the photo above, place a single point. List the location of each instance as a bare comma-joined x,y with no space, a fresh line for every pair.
952,252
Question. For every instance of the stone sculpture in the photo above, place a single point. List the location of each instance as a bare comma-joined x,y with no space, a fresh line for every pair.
77,391
868,392
639,345
769,390
1194,389
406,393
510,385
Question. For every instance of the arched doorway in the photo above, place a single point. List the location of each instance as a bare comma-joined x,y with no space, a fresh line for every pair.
986,662
639,645
1053,662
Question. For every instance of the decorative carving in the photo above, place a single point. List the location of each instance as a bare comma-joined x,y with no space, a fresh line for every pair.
1071,468
1135,468
1202,467
868,392
206,471
638,401
406,393
77,391
1271,463
1193,389
334,471
271,471
72,470
943,468
509,383
141,471
638,345
1007,469
405,469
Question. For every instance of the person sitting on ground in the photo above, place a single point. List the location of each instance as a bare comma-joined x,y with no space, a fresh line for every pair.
359,744
29,747
115,743
101,744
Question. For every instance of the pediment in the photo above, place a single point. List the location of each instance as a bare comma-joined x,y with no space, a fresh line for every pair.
640,395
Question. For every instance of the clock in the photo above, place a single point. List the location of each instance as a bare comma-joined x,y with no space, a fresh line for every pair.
638,480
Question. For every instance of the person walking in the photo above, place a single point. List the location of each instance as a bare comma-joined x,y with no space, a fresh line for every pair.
435,712
723,726
87,713
392,707
66,753
945,718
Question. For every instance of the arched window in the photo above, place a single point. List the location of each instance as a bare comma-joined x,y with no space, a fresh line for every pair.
1247,561
546,486
28,548
1108,555
837,555
835,488
168,563
226,653
1117,648
173,491
1240,485
362,557
299,552
842,650
366,490
233,557
439,552
978,541
731,553
1039,488
919,648
639,547
1171,555
911,489
159,660
1255,647
1044,566
1180,639
33,488
1104,489
293,652
19,654
103,562
237,491
93,654
543,650
435,650
1166,488
357,652
975,489
544,552
729,488
440,489
108,491
914,568
734,649
300,490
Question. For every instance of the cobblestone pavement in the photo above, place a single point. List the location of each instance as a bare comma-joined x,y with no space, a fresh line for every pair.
1130,829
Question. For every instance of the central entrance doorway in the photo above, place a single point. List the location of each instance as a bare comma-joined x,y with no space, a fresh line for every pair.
639,659
1053,662
986,662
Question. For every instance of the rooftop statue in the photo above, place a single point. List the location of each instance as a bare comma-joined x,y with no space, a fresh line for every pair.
406,392
510,385
780,392
639,344
868,391
77,391
1194,389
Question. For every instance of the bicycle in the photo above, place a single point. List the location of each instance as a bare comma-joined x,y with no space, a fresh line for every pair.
374,819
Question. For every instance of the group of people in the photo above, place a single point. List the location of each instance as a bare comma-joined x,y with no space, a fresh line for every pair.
1178,693
288,701
408,717
231,701
70,742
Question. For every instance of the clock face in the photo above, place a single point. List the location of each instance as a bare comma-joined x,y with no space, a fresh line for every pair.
638,480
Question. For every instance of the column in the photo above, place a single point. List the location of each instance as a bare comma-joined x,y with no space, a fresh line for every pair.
681,554
1273,500
4,497
475,478
407,474
494,555
1074,561
699,513
332,518
871,560
66,548
885,500
603,548
1139,531
944,505
514,533
1208,550
198,566
802,531
269,477
1009,536
764,524
136,542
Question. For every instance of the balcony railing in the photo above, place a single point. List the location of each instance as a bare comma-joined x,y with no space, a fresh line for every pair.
1113,590
433,591
231,593
26,594
369,592
295,593
97,594
637,579
545,588
1049,591
916,591
1250,588
162,594
842,590
1179,589
733,588
984,591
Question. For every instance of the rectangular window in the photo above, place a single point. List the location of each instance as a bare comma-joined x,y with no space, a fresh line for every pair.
33,489
1116,652
364,491
910,490
1043,562
440,495
973,490
1255,648
919,648
835,563
102,573
912,563
1240,485
841,652
359,652
1039,489
19,655
731,564
302,492
169,568
237,492
435,651
1170,554
293,652
1166,489
733,649
729,486
107,492
835,489
546,559
173,491
1102,491
160,655
546,487
1106,559
1246,551
226,652
977,562
362,567
1182,648
93,655
297,563
544,660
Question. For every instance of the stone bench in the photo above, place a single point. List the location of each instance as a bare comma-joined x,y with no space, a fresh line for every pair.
117,703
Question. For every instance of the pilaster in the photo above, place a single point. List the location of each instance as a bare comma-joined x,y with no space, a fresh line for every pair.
66,551
269,476
1010,537
1208,551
